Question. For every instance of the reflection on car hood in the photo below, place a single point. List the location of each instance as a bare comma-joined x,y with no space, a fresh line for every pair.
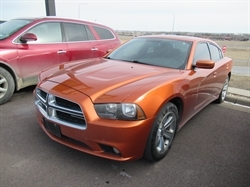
99,77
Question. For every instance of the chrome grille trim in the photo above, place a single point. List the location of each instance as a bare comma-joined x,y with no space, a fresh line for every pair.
67,109
59,110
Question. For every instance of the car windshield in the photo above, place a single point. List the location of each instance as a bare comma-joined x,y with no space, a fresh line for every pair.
154,51
10,27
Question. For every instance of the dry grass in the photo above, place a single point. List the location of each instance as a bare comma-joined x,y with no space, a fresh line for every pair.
124,38
239,51
241,82
243,56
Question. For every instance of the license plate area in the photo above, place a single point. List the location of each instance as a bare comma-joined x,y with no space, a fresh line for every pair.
53,128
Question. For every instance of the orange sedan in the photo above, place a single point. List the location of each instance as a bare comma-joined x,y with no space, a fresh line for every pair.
130,103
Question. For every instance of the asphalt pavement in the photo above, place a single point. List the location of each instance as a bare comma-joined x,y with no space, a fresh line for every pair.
211,150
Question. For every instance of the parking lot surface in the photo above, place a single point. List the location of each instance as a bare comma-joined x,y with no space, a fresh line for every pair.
212,149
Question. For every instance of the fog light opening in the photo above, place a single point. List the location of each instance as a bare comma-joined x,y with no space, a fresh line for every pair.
116,151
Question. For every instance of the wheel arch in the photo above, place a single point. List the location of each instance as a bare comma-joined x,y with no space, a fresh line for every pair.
178,102
11,71
229,75
148,152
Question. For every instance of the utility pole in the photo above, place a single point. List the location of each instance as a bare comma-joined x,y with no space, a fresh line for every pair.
50,7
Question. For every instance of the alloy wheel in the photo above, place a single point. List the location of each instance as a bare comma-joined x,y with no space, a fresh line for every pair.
165,133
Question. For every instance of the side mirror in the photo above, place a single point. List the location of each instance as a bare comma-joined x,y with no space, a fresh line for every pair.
28,37
107,53
205,64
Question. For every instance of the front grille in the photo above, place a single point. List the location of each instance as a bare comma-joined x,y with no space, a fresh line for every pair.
67,104
43,94
60,110
75,119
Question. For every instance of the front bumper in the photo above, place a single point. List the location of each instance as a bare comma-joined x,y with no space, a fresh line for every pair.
111,139
100,138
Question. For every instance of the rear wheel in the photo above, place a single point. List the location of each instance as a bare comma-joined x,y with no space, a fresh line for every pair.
223,92
162,133
7,86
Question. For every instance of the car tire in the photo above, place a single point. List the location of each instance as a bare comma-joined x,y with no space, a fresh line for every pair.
223,92
162,133
7,86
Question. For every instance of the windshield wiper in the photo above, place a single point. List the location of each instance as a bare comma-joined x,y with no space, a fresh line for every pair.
135,61
107,57
138,62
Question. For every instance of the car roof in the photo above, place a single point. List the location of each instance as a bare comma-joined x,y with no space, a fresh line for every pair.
177,37
47,18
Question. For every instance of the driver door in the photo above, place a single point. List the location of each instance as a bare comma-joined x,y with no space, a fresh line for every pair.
47,50
206,86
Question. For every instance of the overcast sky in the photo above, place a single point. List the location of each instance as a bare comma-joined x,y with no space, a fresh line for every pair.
216,16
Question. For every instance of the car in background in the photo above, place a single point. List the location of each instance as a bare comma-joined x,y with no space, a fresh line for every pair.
29,45
131,103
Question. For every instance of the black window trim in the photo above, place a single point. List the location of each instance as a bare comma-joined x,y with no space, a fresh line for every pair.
202,42
219,49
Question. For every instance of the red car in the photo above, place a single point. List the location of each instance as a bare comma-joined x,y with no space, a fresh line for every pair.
28,45
132,102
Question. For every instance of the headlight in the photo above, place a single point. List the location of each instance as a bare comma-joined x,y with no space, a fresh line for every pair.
124,111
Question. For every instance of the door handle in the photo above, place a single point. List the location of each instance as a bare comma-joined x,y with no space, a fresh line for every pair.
94,49
215,73
61,52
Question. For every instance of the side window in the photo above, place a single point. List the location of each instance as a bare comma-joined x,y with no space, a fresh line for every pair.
77,32
201,53
104,33
90,34
47,32
215,53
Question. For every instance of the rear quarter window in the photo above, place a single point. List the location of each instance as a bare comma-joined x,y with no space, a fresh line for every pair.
104,33
77,32
215,53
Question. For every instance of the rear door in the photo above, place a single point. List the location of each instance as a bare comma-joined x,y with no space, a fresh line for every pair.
81,41
107,40
49,49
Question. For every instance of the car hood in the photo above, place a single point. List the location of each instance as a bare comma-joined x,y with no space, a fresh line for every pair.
99,78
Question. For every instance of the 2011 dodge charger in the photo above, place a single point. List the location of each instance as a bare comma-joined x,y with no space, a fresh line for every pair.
130,103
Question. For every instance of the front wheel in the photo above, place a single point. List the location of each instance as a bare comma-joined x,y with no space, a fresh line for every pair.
7,86
223,92
162,133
